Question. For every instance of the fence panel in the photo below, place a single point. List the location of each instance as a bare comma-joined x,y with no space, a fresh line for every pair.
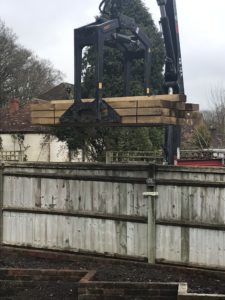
191,216
91,208
101,209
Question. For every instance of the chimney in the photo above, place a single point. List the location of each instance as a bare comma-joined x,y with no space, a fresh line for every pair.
14,106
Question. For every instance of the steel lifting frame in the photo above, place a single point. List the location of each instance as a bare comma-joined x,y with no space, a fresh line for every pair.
107,32
99,34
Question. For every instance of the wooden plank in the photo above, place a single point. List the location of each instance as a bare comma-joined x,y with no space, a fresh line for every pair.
172,98
180,105
47,114
123,104
59,113
130,104
159,109
57,121
191,107
155,103
160,112
62,106
161,120
166,101
135,104
69,102
153,112
129,120
43,114
127,111
154,119
157,120
43,106
43,121
64,101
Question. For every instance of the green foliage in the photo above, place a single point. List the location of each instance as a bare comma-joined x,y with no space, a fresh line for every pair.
95,141
156,136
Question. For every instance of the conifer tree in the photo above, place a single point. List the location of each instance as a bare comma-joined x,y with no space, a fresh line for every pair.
113,59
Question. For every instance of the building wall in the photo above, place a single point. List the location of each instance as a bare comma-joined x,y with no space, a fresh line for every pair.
38,147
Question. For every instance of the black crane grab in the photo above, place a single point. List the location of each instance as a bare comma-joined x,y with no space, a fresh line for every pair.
116,30
108,32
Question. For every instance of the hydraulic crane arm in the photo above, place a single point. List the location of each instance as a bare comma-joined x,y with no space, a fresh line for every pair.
112,7
173,64
173,77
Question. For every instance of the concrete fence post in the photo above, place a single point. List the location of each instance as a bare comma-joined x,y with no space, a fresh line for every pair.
108,157
151,225
1,204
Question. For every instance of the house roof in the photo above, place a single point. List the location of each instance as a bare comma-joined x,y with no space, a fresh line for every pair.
62,91
14,118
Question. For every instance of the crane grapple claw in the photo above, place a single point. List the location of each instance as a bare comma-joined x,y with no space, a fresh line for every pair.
90,113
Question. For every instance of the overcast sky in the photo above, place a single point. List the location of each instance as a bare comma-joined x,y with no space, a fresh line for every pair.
46,27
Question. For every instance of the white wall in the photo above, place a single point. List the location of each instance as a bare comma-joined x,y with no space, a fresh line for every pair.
38,147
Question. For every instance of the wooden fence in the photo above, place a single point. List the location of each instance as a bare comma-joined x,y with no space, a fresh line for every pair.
101,209
11,155
152,157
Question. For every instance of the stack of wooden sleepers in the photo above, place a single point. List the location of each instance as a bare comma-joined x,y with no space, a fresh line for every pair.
135,110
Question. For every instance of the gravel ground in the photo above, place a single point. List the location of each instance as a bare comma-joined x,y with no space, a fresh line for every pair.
107,270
